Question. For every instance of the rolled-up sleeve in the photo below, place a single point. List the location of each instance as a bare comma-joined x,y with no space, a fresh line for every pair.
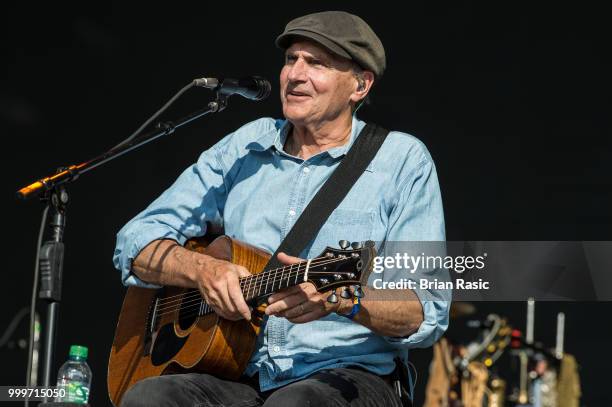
181,212
418,218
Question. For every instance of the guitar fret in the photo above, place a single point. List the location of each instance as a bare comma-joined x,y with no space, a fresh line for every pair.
288,277
273,280
275,274
260,286
252,285
281,271
282,276
255,285
249,279
263,289
268,282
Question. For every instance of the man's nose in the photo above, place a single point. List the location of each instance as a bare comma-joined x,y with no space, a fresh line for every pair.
298,71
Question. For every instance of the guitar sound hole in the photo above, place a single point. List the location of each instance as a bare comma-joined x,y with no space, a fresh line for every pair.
190,307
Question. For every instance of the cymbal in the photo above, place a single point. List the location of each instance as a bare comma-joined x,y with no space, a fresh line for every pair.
460,309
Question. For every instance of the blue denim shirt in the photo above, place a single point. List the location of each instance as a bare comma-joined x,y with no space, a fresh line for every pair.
248,184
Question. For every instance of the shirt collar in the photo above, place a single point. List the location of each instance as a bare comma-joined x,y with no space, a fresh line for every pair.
268,139
278,136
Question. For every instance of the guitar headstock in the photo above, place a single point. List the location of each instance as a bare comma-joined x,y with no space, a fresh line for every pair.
351,264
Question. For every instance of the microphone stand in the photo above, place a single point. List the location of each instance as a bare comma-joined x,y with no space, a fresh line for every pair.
56,197
72,172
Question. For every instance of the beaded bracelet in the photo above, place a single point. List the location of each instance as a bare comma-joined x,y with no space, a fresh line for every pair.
355,309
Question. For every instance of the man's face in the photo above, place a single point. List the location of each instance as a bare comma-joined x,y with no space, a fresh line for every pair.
316,85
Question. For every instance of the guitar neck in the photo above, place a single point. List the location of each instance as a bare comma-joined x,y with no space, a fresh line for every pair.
264,284
334,268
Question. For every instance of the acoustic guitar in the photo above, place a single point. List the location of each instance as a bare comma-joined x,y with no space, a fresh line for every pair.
173,330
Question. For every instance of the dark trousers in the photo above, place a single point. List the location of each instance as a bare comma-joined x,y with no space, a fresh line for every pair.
333,387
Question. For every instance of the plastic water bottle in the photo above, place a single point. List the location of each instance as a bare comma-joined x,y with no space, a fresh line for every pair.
74,377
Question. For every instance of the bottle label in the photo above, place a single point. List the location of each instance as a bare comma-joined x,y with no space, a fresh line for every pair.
76,392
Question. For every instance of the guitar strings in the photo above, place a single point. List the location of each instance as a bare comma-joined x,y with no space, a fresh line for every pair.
192,299
204,309
162,310
195,299
258,278
314,262
195,295
197,304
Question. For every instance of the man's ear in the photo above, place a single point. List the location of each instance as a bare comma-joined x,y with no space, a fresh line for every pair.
365,80
360,84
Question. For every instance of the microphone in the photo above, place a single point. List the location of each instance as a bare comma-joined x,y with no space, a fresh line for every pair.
251,87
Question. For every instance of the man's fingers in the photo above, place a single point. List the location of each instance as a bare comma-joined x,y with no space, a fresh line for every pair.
210,299
299,309
243,272
215,304
286,303
304,288
237,299
286,259
228,304
220,286
284,293
219,289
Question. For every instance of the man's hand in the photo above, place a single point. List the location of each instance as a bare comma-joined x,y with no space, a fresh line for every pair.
165,262
301,303
218,281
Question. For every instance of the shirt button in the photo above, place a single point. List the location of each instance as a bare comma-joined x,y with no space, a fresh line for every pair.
306,170
291,212
276,348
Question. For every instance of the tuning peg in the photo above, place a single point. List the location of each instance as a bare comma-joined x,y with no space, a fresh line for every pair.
358,292
332,298
344,244
356,245
346,294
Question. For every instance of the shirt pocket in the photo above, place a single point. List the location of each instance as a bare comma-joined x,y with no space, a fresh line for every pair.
354,225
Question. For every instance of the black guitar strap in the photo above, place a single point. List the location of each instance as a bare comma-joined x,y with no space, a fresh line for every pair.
331,193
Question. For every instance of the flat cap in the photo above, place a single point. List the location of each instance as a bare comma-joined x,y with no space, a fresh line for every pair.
342,33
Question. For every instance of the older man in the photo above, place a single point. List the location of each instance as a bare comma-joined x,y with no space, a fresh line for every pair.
254,184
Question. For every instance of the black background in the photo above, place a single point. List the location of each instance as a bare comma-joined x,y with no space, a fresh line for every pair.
513,101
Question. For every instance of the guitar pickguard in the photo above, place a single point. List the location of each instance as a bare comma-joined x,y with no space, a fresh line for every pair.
166,345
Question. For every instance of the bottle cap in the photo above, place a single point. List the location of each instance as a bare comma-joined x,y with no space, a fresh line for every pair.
78,351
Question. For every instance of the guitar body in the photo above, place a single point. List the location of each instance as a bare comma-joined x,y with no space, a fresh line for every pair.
180,339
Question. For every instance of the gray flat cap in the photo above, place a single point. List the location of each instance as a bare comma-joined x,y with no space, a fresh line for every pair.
344,34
